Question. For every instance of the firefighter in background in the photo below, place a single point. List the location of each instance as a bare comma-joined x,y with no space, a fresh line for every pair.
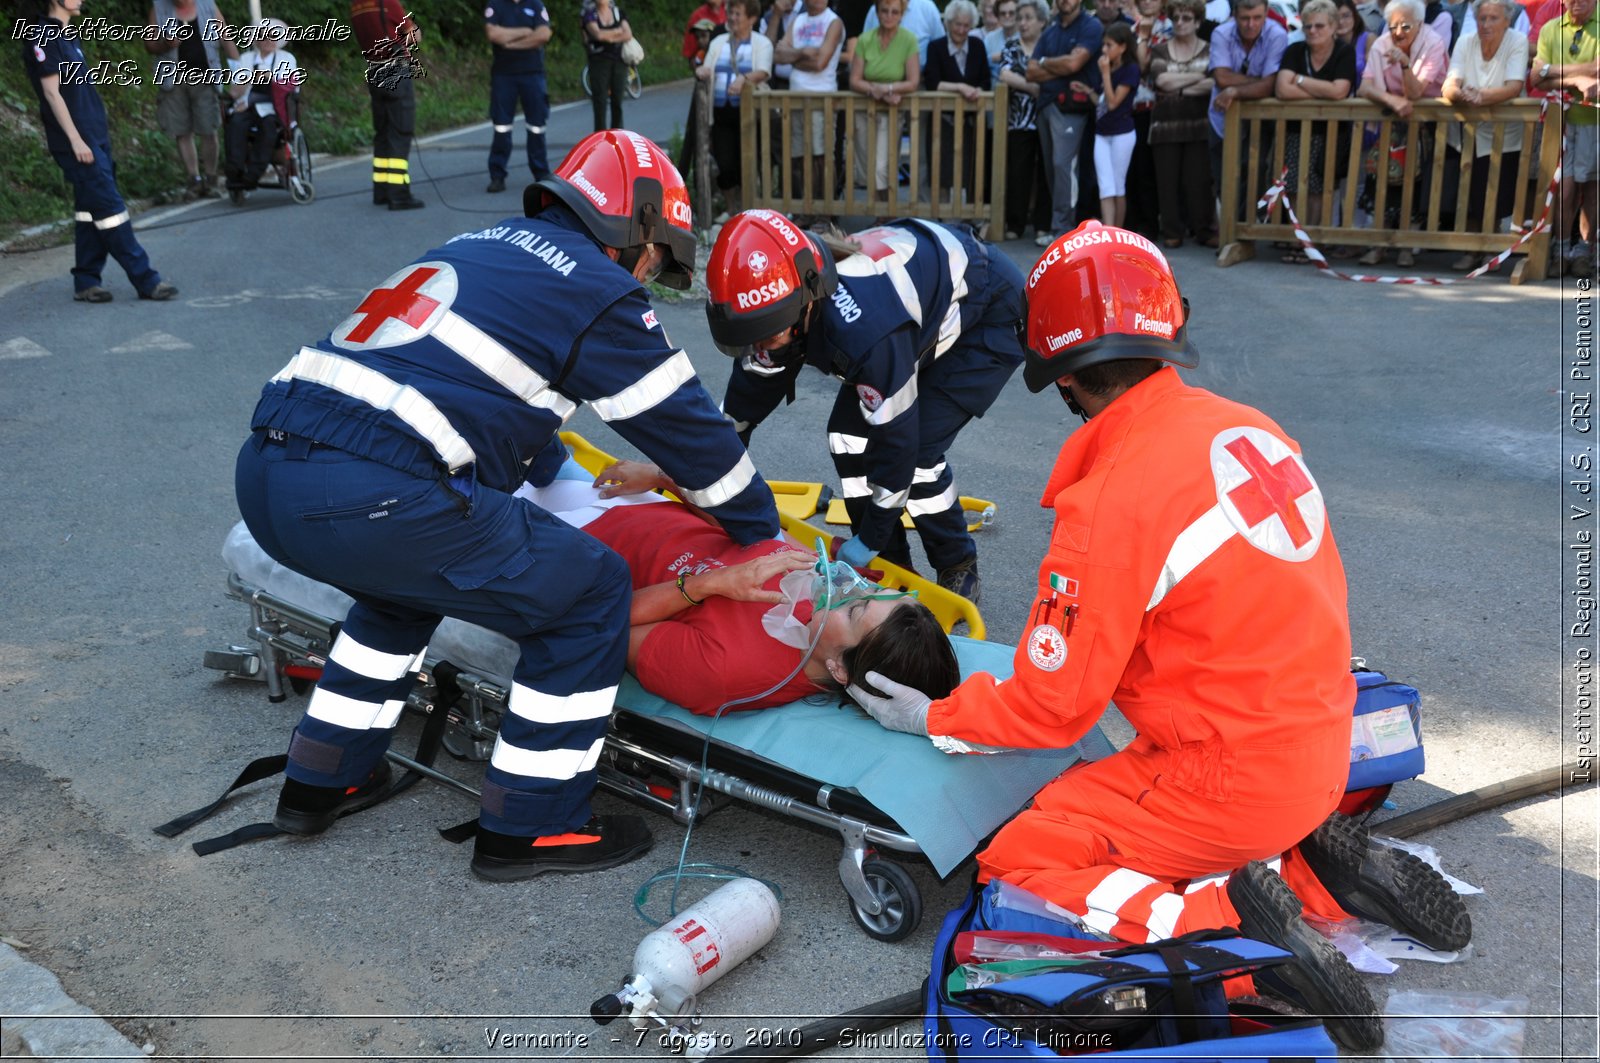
1191,577
919,321
388,36
383,462
75,131
518,31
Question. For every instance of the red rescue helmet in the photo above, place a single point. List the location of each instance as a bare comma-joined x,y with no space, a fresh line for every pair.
1097,295
763,272
628,194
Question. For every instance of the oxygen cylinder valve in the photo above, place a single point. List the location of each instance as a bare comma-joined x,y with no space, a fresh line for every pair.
605,1010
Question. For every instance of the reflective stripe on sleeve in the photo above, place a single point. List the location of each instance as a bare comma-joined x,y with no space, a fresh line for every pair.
894,405
841,443
376,390
737,479
648,391
540,707
500,365
545,763
368,662
1193,545
884,498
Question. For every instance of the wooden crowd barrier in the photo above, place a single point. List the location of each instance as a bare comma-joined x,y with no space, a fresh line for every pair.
772,176
1254,141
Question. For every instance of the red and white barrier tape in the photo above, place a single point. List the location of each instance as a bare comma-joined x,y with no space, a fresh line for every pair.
1278,192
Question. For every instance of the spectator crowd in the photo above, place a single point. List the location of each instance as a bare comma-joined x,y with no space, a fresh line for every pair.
1119,111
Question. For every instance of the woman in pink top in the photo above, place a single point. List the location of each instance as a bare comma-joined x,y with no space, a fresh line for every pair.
1407,63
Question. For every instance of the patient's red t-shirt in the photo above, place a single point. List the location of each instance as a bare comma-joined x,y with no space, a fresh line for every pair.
709,654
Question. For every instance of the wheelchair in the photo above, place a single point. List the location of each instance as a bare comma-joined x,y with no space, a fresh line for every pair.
290,165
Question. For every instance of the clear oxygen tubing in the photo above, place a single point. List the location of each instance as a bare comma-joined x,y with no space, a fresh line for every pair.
717,872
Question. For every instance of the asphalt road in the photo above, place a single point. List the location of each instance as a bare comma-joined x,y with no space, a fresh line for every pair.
1432,417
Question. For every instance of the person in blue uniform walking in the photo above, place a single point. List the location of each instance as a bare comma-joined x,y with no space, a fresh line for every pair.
383,461
518,30
75,131
917,319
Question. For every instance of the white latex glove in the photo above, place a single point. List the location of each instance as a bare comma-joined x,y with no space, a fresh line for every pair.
903,709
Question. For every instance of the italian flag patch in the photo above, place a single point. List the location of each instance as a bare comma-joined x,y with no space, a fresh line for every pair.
1063,585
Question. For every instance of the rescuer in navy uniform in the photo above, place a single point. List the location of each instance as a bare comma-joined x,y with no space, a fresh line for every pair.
518,30
385,455
918,320
75,129
388,36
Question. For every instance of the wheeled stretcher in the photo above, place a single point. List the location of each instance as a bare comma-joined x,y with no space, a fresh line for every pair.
822,764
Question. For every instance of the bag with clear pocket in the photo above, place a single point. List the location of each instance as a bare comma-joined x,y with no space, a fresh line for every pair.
1013,979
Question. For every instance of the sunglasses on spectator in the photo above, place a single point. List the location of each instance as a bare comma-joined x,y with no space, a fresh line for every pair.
1577,42
1399,28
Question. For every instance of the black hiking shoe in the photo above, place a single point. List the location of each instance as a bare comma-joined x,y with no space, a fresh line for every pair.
1387,885
1320,979
962,578
306,809
604,841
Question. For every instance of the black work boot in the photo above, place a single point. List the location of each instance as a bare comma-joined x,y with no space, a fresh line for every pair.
1386,885
306,809
962,578
604,841
1320,979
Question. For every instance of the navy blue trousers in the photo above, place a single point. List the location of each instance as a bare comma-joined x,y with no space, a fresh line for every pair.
103,226
411,549
506,92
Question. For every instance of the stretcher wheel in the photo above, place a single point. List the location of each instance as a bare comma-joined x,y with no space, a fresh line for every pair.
899,896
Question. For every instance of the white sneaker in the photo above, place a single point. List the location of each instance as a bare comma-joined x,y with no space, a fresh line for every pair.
1044,240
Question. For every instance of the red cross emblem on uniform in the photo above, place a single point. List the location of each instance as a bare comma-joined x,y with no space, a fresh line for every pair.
1271,490
1267,493
400,309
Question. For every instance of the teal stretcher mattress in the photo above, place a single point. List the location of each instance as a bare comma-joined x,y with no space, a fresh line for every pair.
947,804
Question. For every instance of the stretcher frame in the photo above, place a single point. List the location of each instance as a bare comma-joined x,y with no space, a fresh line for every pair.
290,644
644,760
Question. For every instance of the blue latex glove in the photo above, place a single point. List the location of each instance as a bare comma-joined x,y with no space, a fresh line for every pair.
903,709
855,553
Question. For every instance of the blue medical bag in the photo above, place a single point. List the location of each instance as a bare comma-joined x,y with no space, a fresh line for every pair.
1385,732
1164,999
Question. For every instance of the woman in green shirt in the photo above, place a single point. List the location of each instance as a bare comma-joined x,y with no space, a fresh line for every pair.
885,67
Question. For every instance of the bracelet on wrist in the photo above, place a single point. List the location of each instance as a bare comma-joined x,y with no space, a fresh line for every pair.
684,591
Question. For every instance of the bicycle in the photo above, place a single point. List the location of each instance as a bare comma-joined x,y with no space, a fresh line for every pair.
635,86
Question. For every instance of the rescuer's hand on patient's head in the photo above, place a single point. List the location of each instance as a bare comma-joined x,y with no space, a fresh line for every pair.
632,478
900,708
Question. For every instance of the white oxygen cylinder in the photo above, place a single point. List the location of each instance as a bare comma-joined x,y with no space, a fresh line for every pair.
708,939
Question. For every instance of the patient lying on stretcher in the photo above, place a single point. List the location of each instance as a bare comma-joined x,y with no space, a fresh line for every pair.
697,636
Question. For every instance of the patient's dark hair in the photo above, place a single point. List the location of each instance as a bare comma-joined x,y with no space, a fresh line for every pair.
909,647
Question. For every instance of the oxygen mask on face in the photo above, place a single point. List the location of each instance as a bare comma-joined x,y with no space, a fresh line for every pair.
823,587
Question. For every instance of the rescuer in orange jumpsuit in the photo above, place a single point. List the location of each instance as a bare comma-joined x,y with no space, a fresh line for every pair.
1191,578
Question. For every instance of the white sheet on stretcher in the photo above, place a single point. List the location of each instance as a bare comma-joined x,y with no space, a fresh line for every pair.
948,804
